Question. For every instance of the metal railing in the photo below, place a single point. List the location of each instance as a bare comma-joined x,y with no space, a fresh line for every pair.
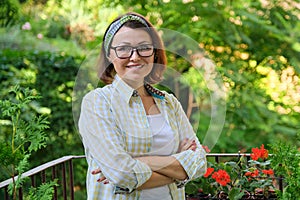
62,169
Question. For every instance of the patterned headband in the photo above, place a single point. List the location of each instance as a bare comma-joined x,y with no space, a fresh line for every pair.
114,27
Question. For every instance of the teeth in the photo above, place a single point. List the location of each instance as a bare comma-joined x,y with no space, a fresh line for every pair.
139,66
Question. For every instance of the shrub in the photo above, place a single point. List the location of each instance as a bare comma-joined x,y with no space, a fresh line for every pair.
27,135
9,12
52,74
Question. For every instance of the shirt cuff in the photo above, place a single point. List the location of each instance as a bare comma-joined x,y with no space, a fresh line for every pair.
182,183
193,162
142,173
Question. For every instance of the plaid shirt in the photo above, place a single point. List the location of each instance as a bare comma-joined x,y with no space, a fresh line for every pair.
114,129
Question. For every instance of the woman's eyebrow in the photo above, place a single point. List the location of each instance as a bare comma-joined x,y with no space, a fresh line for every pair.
129,44
145,42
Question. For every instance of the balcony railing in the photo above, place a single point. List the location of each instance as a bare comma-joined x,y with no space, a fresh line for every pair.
61,169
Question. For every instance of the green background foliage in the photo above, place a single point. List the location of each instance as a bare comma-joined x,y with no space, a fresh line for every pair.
254,45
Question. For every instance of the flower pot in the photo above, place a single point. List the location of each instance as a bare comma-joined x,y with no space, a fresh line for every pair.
222,195
247,195
198,196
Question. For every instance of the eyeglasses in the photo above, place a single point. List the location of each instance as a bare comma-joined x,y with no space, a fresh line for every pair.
123,52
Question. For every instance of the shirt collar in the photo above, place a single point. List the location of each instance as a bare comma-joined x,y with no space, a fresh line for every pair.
124,89
127,92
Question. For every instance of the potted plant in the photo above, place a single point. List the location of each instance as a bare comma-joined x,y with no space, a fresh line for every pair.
241,179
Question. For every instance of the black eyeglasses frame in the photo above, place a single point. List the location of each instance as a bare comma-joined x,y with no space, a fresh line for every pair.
134,48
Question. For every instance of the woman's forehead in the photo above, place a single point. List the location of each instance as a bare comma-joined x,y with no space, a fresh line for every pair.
132,36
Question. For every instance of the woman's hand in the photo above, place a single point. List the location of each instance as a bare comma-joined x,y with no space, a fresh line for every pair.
102,178
187,144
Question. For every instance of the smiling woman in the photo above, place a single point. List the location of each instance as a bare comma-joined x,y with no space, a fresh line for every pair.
138,141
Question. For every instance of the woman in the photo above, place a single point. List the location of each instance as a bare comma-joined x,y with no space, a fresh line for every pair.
138,141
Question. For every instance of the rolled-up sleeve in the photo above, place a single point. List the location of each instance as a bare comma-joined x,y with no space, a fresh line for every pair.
193,162
105,144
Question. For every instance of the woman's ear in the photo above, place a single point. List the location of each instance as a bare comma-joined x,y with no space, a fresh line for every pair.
108,58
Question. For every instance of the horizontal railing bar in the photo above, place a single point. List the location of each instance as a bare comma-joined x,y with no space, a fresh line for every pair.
227,154
41,168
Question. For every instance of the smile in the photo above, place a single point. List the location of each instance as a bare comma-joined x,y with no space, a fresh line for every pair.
135,66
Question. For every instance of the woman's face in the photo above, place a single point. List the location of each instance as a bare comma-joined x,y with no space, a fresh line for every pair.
134,69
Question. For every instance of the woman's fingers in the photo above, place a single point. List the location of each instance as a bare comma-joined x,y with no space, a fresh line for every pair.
183,143
101,179
193,146
96,171
187,144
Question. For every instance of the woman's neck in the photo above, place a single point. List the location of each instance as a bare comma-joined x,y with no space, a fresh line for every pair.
134,84
142,91
138,86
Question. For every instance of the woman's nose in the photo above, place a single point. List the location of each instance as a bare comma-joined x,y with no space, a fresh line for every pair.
135,55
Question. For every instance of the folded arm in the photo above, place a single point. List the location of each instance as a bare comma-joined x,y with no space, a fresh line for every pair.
156,180
169,165
165,168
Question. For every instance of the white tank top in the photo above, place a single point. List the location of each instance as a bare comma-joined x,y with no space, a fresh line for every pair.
162,145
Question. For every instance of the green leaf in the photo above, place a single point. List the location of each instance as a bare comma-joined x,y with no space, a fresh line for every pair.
236,194
44,191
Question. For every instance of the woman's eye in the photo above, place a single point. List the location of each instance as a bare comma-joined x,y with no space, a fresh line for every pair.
124,48
145,48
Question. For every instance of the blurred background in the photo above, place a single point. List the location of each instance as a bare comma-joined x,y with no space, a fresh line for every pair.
249,50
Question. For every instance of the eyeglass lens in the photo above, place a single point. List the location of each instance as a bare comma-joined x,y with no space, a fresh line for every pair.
127,51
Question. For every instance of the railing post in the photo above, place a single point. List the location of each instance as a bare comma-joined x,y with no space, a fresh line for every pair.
71,179
217,159
64,180
20,193
54,175
6,193
33,183
43,176
280,183
280,180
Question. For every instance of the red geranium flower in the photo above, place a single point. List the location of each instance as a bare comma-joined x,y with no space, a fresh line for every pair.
268,172
259,153
263,152
255,173
255,154
252,174
208,172
222,177
248,174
